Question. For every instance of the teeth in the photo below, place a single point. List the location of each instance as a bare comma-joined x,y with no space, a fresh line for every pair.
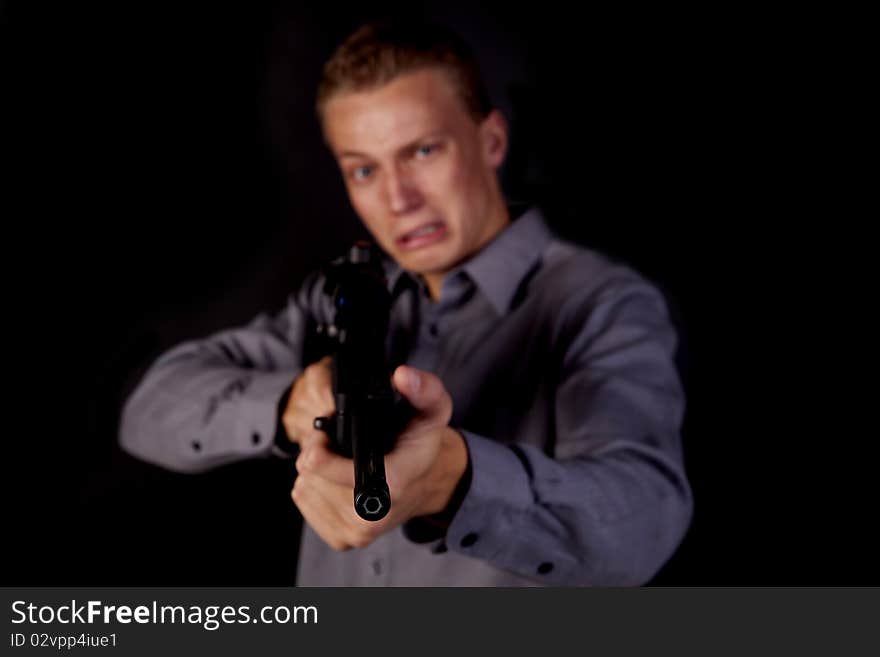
426,230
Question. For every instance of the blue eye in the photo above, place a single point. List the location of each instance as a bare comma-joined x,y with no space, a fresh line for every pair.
426,150
361,172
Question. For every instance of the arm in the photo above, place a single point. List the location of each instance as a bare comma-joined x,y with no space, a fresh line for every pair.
611,504
209,402
608,506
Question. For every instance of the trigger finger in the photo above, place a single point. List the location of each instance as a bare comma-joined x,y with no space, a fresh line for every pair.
322,397
299,428
314,438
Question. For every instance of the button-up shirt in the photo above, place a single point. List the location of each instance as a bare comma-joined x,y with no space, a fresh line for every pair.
560,365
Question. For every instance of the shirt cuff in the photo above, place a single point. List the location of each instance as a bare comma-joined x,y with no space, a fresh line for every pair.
257,421
283,447
427,529
491,512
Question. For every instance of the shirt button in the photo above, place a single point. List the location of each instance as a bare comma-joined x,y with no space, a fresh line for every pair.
432,329
377,567
545,568
196,445
255,438
469,540
440,548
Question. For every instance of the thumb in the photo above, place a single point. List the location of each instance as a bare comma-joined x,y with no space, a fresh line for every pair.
425,392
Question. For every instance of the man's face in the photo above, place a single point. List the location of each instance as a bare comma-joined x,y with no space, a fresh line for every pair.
419,170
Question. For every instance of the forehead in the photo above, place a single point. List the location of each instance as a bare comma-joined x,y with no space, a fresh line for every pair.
407,108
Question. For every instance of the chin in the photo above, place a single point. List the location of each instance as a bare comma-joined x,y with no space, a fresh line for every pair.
437,258
426,263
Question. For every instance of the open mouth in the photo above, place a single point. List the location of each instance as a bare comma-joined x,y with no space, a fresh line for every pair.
422,236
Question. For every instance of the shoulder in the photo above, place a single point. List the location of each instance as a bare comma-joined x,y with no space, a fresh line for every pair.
580,292
590,303
576,275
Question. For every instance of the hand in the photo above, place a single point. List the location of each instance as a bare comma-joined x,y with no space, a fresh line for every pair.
426,464
310,397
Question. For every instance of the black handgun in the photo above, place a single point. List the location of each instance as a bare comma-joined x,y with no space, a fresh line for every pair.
369,414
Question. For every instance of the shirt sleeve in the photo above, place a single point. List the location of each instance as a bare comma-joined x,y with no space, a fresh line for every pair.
214,401
606,502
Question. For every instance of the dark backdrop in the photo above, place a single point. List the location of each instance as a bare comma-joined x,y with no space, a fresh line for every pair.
165,179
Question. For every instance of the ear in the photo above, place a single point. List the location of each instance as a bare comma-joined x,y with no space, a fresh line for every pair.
493,137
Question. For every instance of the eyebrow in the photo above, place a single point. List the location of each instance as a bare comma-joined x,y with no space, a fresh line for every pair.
406,147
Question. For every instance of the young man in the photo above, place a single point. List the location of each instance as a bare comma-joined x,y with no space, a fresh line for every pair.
546,446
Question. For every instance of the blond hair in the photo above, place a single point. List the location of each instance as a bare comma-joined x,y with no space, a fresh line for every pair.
378,52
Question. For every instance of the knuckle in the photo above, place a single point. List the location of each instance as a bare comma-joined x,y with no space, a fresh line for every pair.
315,457
361,537
446,406
300,484
318,441
315,370
359,541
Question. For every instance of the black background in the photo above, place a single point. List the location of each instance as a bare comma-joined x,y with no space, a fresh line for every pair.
164,178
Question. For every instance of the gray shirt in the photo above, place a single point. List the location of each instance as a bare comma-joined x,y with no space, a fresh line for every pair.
560,365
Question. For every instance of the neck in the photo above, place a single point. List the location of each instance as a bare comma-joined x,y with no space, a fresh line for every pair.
500,218
434,283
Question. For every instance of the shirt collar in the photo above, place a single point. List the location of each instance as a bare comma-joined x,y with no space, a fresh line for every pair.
500,267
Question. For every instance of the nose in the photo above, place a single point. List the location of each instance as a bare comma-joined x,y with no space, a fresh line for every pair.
403,194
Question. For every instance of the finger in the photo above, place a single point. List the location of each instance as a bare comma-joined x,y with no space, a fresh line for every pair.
322,389
329,509
317,459
299,414
319,513
315,437
352,529
320,400
312,390
425,392
300,428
